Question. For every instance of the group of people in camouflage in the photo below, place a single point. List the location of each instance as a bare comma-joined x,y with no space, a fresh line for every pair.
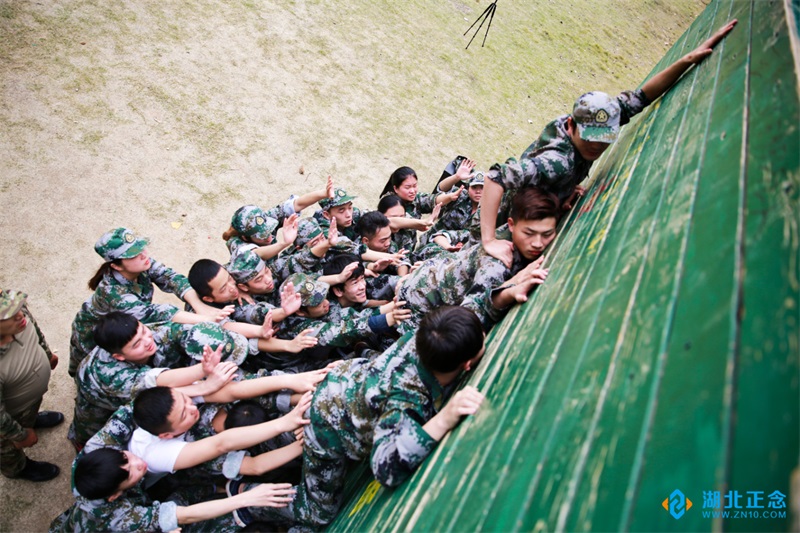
324,340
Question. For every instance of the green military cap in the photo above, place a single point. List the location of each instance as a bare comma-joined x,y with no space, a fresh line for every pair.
252,221
120,243
340,197
10,303
476,179
234,347
597,117
245,264
307,230
312,291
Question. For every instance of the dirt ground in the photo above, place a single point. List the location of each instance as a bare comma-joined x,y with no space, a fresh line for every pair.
166,116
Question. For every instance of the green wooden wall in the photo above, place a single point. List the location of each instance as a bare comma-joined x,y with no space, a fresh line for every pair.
662,353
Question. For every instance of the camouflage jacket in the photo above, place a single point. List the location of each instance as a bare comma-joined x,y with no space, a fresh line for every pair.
349,232
455,215
10,428
133,511
551,162
376,408
467,278
115,293
293,261
252,313
407,238
104,383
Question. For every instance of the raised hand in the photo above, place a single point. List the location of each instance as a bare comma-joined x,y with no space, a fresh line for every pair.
291,300
333,233
465,169
210,359
266,328
289,229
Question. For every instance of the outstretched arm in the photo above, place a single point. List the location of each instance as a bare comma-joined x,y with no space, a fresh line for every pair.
265,462
264,495
661,82
311,198
200,451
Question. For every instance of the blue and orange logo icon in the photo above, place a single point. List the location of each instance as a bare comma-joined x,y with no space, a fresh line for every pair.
677,504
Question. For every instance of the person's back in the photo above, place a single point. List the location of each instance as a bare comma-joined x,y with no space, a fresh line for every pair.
391,409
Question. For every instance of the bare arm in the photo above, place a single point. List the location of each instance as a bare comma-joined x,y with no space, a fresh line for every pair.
313,197
265,495
490,203
255,466
197,452
661,82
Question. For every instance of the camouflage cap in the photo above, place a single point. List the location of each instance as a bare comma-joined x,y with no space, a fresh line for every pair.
307,230
597,116
340,197
234,346
252,221
10,303
120,243
245,264
312,291
476,179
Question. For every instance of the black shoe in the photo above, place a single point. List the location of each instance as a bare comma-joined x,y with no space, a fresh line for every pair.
48,419
38,471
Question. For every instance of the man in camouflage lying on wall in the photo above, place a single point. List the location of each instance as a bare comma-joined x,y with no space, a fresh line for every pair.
390,409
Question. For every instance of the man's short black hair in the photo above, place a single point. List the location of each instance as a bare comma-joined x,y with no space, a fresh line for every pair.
245,413
371,223
151,409
338,263
99,473
447,337
530,203
114,330
201,273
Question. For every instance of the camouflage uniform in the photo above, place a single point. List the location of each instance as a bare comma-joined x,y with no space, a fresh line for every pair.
468,278
105,383
134,510
551,162
382,286
340,197
115,293
364,409
337,330
407,238
452,222
29,373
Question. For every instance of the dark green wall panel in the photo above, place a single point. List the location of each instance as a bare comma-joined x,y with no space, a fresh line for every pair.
662,353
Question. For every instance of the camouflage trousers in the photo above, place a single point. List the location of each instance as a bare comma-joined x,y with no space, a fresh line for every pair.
12,460
319,494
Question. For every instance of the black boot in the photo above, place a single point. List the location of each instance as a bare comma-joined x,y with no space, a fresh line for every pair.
38,471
